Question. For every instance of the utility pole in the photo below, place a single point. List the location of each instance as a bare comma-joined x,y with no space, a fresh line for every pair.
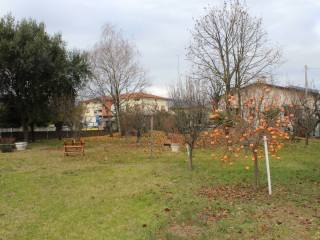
306,79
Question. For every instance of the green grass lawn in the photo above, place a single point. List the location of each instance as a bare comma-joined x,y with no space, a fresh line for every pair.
117,192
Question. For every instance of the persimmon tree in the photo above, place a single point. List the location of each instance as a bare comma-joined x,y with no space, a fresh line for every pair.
237,133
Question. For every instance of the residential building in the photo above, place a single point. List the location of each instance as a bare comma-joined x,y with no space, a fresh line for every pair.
99,112
147,102
281,96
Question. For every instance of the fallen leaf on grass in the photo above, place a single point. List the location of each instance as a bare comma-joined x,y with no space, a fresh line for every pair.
167,209
228,192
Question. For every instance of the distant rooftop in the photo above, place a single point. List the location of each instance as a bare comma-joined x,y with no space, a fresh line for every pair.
138,95
135,95
303,89
289,87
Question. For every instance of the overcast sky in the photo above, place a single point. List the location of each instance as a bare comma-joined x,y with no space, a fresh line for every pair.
160,29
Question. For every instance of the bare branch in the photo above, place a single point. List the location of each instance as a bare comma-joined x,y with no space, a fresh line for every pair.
229,48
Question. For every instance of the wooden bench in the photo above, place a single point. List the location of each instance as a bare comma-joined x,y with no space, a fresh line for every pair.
73,146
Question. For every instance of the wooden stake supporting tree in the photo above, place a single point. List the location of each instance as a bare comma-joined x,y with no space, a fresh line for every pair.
237,133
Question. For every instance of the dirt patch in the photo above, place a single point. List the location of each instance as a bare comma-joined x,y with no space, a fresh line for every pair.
213,215
185,231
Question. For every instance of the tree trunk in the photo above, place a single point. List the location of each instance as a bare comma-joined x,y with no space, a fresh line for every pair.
58,126
138,134
256,171
118,120
239,102
306,140
189,152
25,132
293,137
227,95
110,129
32,132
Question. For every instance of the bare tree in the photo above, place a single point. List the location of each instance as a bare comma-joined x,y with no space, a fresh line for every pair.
116,69
306,111
65,110
229,48
135,119
214,89
164,121
190,106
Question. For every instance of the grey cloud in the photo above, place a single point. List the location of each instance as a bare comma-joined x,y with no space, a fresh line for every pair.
160,29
